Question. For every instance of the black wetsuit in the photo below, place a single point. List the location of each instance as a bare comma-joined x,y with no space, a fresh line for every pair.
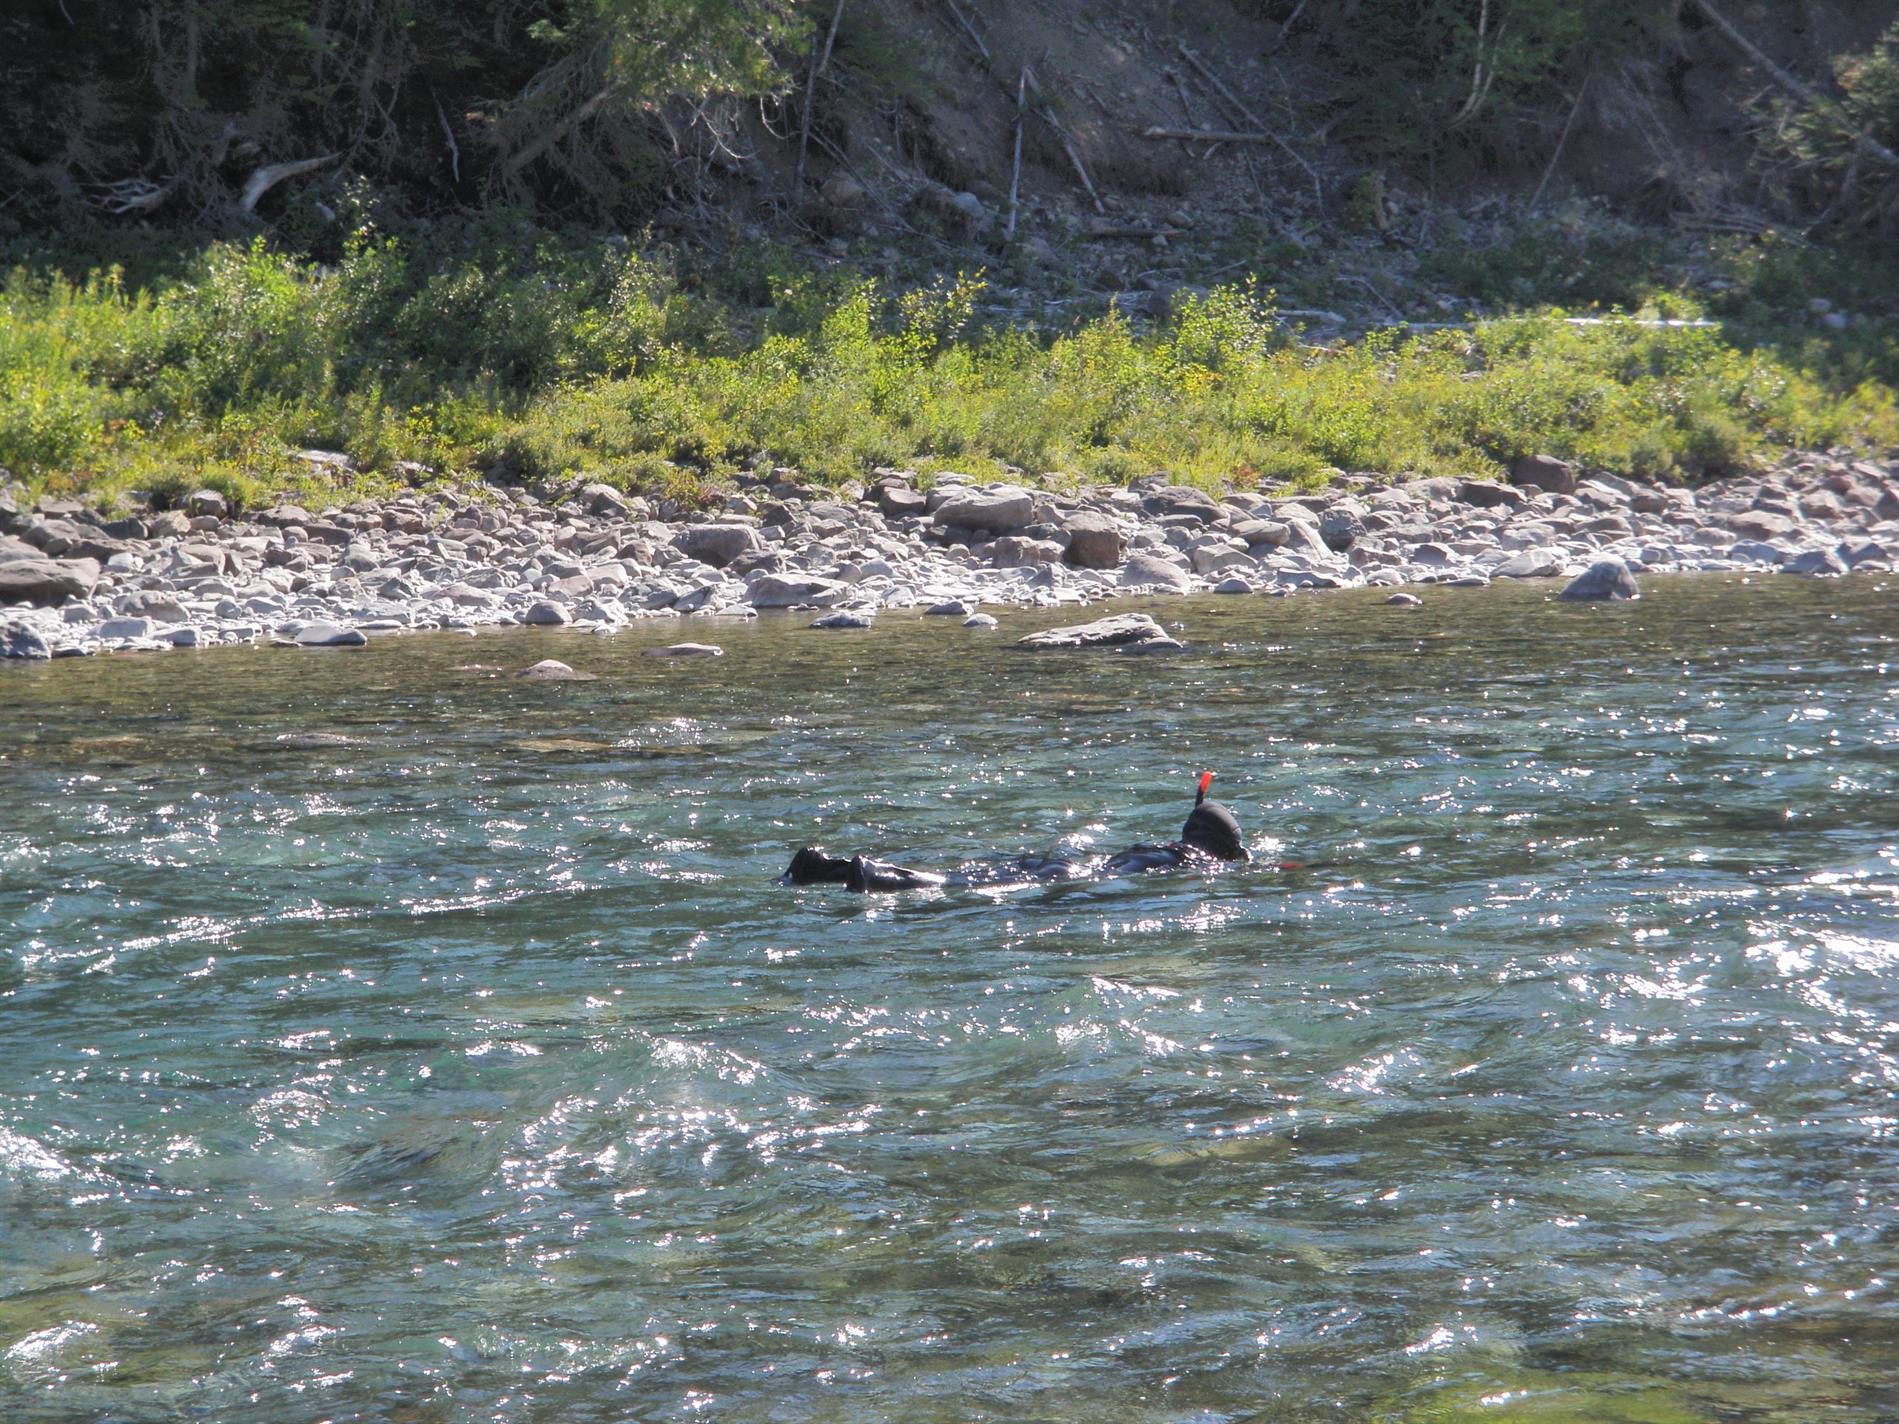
1211,836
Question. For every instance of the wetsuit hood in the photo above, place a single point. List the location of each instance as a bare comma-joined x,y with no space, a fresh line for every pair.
1214,829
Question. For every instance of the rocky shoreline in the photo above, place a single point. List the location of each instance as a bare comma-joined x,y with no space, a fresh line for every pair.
74,581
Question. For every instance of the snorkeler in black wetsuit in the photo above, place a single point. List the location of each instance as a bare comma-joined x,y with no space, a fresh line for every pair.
1211,836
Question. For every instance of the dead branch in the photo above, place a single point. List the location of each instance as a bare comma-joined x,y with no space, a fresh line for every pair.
1799,88
1015,169
969,30
1561,139
819,58
269,176
1219,87
454,151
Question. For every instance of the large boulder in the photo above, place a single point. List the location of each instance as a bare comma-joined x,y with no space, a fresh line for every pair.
794,591
1604,579
1122,630
1763,525
1269,532
1016,551
1487,494
1530,563
1148,569
718,544
1341,525
47,582
1544,472
995,509
69,539
1181,499
1094,540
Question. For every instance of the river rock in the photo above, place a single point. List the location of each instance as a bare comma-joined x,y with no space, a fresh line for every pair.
686,650
1115,632
19,641
980,620
1341,526
794,591
718,544
899,500
1405,600
948,608
1236,584
545,614
320,634
1817,563
1764,525
130,629
206,503
846,618
996,509
1167,500
1543,472
1094,540
1487,494
47,582
553,670
1531,563
1147,569
1604,579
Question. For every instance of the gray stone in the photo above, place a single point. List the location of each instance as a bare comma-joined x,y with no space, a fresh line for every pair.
328,635
47,582
1486,494
998,509
597,498
1094,540
979,620
1115,632
1531,563
1405,600
718,544
686,650
553,670
898,500
846,618
1015,551
1817,563
1162,644
1235,584
1763,525
1604,579
1544,472
1341,526
948,608
1147,569
19,641
545,614
1181,499
128,628
794,591
1269,532
206,503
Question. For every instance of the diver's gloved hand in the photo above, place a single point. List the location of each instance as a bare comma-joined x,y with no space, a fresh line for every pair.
881,875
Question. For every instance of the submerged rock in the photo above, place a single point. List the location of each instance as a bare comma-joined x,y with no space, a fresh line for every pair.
687,650
1604,579
1405,600
553,670
846,618
1122,630
979,620
327,635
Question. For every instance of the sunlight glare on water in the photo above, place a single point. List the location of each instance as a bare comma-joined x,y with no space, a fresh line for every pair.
385,1038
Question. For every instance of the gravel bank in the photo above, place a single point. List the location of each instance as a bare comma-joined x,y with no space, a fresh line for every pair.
73,581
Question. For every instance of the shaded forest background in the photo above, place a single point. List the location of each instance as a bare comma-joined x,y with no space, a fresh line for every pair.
652,240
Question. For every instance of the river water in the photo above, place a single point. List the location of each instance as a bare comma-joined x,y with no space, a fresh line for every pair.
386,1038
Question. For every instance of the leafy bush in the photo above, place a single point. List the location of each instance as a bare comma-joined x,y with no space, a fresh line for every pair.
579,358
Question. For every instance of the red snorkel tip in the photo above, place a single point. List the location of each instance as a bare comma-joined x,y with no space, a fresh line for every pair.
1206,780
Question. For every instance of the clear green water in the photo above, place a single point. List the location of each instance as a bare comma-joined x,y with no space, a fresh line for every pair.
473,1068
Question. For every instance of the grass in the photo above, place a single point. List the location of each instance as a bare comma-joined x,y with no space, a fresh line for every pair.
500,348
